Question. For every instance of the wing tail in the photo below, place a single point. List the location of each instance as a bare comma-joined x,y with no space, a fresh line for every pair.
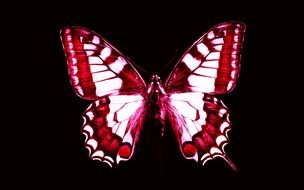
201,127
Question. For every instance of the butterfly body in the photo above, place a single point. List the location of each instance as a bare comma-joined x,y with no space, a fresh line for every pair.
187,101
156,99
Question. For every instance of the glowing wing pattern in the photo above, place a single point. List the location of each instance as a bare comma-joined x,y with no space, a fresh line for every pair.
211,64
112,123
209,67
99,72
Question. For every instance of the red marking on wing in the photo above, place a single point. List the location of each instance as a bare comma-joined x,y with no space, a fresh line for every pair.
96,68
112,125
211,64
201,127
124,151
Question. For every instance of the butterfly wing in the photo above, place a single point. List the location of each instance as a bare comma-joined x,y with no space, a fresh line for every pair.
99,72
209,67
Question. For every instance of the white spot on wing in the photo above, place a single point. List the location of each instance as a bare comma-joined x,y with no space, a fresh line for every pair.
105,53
90,115
93,143
74,70
206,72
109,158
89,53
220,139
89,129
118,65
97,68
218,41
218,47
127,110
96,40
79,90
215,150
210,35
213,55
98,153
104,87
89,47
203,84
203,49
95,60
233,74
212,64
102,75
236,38
229,85
74,60
233,64
224,126
191,62
75,79
205,156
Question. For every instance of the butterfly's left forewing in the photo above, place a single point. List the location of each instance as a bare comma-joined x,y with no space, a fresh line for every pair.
100,73
209,67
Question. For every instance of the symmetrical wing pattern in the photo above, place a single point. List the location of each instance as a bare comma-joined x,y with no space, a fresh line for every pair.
96,68
121,100
211,64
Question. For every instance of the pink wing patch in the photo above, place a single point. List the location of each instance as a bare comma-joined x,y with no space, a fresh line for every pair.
211,64
200,123
96,68
112,125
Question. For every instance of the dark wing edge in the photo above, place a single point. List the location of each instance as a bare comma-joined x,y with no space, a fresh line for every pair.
96,68
212,63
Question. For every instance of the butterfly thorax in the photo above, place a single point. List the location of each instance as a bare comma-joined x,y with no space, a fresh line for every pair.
156,96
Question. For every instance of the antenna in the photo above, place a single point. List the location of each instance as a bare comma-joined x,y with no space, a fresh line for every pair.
170,61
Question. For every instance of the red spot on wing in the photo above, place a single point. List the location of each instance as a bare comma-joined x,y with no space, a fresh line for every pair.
189,150
124,151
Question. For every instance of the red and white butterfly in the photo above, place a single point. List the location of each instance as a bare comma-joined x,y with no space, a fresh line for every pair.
121,100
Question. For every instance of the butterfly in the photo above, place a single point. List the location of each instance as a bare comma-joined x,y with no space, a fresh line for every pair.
121,100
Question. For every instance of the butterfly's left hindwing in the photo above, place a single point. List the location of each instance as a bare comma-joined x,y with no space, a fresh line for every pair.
99,72
112,125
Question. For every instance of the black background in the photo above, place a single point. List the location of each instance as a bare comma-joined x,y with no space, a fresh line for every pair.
151,35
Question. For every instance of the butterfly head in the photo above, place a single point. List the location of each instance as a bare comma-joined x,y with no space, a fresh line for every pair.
155,80
155,86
